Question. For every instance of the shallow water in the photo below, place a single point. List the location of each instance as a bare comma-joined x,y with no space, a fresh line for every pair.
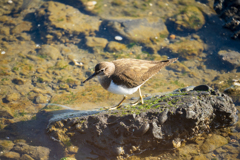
47,50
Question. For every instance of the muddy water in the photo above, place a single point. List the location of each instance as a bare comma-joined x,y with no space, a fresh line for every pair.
47,48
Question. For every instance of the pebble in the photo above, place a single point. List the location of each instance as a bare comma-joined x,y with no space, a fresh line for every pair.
77,63
172,36
10,1
90,5
3,52
118,38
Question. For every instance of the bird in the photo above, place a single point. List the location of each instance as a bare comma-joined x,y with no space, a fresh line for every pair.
126,76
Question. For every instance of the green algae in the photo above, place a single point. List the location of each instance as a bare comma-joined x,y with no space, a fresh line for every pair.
171,100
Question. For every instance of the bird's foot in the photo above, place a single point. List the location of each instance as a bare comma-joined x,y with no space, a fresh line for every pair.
140,99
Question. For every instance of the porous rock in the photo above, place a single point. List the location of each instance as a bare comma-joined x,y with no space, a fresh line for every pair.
127,131
230,12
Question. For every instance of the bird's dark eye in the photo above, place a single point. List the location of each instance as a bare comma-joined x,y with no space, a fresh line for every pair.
102,70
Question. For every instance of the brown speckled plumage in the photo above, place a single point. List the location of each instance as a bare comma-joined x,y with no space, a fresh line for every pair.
133,72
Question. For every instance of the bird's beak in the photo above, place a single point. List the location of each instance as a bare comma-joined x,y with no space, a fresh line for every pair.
93,75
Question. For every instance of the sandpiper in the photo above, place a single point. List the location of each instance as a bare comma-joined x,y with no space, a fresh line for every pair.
126,76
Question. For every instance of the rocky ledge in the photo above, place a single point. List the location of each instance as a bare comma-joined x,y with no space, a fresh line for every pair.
162,122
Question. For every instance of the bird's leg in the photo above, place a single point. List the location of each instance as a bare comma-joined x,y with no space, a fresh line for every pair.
140,98
119,104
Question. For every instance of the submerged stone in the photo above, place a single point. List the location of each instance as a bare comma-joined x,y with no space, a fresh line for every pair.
143,30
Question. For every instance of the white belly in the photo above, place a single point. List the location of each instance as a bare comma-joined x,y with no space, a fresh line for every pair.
121,89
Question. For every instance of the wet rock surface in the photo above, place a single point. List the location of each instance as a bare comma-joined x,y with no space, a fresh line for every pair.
156,124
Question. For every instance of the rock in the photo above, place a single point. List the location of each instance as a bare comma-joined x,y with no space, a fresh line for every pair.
156,124
232,57
19,81
234,91
179,67
6,145
26,157
187,49
96,42
5,112
39,99
213,143
35,58
72,149
48,51
61,64
65,23
229,11
36,152
188,150
189,18
5,31
11,155
7,8
115,46
24,26
202,88
200,157
12,97
141,30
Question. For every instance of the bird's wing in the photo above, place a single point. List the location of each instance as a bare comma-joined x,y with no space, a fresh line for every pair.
134,72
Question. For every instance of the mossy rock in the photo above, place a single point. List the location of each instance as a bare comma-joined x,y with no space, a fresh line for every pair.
115,46
187,49
61,64
189,18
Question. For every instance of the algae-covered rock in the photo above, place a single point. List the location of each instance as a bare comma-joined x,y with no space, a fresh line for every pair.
36,152
48,51
115,46
189,18
13,97
6,145
7,7
5,112
63,22
26,157
156,124
212,143
96,42
187,49
39,99
11,155
5,31
23,26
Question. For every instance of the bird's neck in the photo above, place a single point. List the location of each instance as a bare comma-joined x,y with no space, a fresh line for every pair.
104,81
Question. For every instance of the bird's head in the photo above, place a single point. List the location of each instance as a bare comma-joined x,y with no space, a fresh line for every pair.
102,69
